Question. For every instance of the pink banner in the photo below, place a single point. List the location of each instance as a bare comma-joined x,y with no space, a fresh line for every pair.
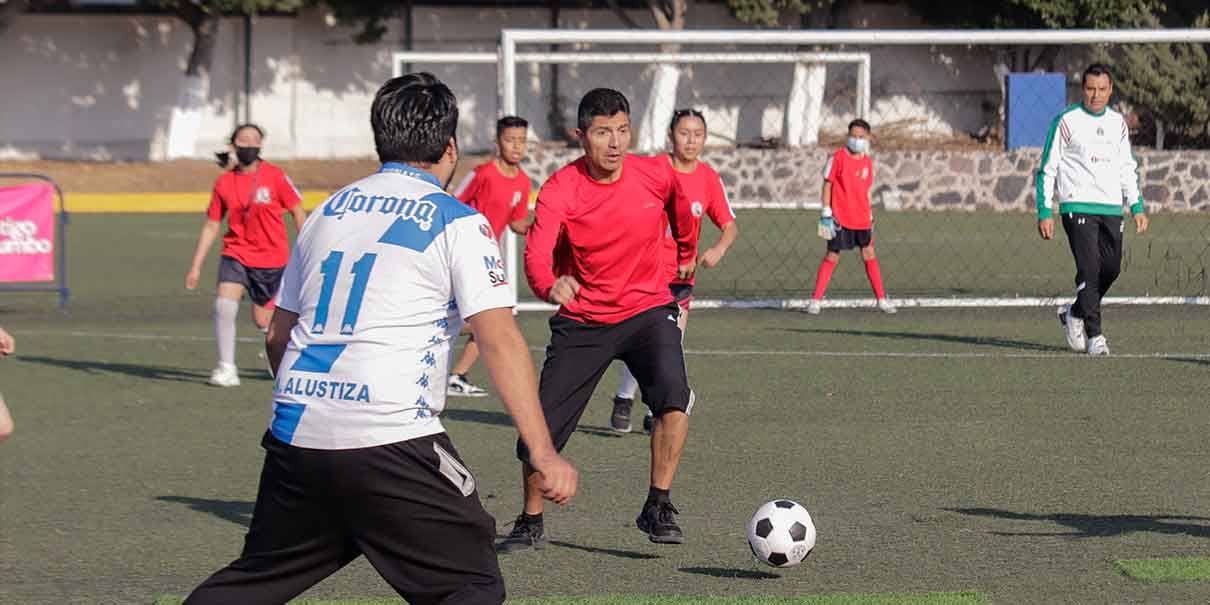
27,233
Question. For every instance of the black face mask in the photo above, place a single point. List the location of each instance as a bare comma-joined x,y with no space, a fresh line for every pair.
247,155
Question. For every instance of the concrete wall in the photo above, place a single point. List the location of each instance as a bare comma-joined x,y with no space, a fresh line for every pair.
1173,181
103,87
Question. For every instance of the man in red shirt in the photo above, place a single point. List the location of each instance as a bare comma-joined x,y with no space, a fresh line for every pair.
253,196
596,248
704,187
847,220
499,190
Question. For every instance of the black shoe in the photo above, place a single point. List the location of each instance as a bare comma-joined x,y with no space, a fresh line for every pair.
524,535
619,421
659,521
648,419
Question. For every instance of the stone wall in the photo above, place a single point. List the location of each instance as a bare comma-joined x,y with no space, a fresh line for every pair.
1173,181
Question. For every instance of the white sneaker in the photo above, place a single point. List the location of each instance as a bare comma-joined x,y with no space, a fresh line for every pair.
885,306
812,307
224,375
459,386
1073,327
1098,346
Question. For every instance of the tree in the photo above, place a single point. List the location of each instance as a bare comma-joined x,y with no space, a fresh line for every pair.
202,17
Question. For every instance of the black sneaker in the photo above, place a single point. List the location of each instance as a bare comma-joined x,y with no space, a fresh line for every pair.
659,521
524,535
648,419
619,421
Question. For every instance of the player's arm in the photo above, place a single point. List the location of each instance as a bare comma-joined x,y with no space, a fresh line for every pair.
1056,141
723,217
827,224
299,216
508,361
684,227
468,187
205,239
1130,182
278,336
540,244
519,222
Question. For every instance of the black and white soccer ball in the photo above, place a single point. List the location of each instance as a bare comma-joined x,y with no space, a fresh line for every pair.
781,533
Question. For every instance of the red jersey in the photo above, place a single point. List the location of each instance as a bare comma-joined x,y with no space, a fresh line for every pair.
254,203
851,179
499,198
704,189
610,237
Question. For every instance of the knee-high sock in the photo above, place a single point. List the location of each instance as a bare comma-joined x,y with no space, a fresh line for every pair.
822,277
629,386
225,312
875,274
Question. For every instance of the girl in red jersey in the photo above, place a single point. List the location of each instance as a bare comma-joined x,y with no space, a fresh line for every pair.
253,196
704,187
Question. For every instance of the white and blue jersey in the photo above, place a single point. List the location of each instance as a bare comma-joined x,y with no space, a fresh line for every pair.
380,277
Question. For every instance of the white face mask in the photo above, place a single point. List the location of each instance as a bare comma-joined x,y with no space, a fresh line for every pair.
857,145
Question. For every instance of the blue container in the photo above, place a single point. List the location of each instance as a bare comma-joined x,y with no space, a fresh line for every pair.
1033,101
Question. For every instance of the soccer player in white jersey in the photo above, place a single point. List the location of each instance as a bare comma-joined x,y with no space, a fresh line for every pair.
1088,156
357,461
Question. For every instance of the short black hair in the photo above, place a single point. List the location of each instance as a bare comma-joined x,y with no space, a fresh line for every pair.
685,113
600,102
235,133
860,123
510,122
1096,69
413,118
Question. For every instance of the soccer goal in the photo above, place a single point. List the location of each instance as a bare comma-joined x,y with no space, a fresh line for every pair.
956,147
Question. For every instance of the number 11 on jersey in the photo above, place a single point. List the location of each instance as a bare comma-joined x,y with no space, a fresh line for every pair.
330,269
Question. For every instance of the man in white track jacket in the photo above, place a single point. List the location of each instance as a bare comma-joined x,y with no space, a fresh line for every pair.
1088,155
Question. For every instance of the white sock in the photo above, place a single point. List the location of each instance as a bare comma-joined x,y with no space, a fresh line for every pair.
225,312
629,385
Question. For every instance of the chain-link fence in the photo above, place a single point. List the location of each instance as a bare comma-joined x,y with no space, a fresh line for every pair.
953,203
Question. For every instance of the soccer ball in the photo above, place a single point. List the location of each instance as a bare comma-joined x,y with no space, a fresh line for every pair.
781,533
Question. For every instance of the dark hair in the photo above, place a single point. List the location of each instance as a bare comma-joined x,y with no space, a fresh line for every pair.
509,122
413,118
600,102
860,123
1096,69
685,113
235,133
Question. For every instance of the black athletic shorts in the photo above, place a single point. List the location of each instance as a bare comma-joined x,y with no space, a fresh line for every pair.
261,284
847,239
579,354
410,507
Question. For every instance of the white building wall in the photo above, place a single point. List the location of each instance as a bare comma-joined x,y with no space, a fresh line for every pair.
103,87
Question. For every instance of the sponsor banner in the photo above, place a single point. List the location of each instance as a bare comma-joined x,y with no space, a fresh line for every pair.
27,233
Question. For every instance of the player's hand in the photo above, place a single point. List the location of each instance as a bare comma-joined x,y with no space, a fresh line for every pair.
827,227
564,290
686,271
711,257
559,477
1141,223
191,279
7,343
1046,228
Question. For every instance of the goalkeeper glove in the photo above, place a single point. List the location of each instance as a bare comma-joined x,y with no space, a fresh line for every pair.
827,225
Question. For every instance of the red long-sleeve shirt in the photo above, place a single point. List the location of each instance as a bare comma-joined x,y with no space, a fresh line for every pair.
610,237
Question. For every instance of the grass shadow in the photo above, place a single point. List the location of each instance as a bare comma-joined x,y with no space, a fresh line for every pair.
235,511
1201,361
151,372
724,572
613,552
1097,526
489,417
986,341
599,431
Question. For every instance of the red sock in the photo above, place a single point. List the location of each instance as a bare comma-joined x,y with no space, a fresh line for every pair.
875,274
822,278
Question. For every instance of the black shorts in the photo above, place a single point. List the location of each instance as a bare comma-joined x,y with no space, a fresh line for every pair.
261,284
847,239
410,507
579,354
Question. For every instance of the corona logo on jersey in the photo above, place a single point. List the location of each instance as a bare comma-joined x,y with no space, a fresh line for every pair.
352,200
